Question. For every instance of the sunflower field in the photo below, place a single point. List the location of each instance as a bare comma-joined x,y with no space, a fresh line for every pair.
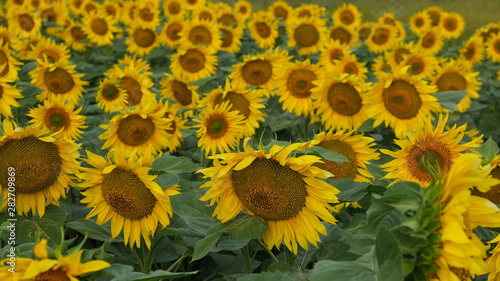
201,140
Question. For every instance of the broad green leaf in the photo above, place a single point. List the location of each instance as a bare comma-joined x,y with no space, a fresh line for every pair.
344,270
387,252
267,276
327,154
160,275
488,150
192,211
174,165
165,180
450,99
93,230
203,246
350,190
247,227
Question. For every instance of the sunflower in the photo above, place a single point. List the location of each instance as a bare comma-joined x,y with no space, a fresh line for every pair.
451,25
142,128
202,33
493,193
194,62
110,96
387,18
100,27
350,65
42,165
246,101
88,7
339,101
493,48
133,77
24,22
54,13
420,64
176,124
76,7
58,80
309,11
192,4
420,22
58,267
243,9
357,148
8,37
220,128
287,192
260,70
344,34
179,90
364,30
401,101
204,14
173,8
333,52
171,33
430,42
231,39
9,95
488,31
62,119
381,38
434,13
455,76
461,251
9,66
263,29
295,85
75,37
472,51
48,49
348,15
226,16
426,144
142,39
308,34
146,13
112,8
398,51
281,10
119,189
129,12
24,47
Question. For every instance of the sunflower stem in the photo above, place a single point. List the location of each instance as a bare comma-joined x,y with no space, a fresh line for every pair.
273,257
203,160
248,260
176,264
138,259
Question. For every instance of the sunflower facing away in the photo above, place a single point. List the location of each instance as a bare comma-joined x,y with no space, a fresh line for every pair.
62,119
51,266
59,81
8,98
43,166
287,192
340,102
119,189
219,129
401,101
142,128
426,143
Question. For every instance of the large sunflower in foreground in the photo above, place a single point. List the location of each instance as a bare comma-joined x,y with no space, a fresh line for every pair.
142,128
423,144
357,148
287,192
8,98
260,70
119,189
246,101
456,76
59,80
295,84
401,101
42,166
340,102
50,266
461,251
62,119
194,62
219,129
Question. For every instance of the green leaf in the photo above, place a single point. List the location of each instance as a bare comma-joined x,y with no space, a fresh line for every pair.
159,275
193,211
350,190
450,99
174,165
93,230
246,228
202,247
344,270
327,154
165,180
387,252
267,276
488,150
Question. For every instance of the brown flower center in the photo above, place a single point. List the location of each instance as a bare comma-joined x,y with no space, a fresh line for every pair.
127,195
494,193
429,153
181,92
134,130
347,17
146,14
192,61
4,62
205,16
237,101
110,92
381,36
53,275
263,29
257,72
37,164
344,99
173,30
450,24
133,90
429,40
402,100
299,82
417,65
270,190
58,81
99,26
217,126
144,37
227,37
26,22
341,34
228,20
451,81
77,33
280,12
342,170
56,118
174,8
200,35
306,35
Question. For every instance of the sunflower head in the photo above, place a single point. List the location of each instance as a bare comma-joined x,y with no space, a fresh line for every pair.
347,14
